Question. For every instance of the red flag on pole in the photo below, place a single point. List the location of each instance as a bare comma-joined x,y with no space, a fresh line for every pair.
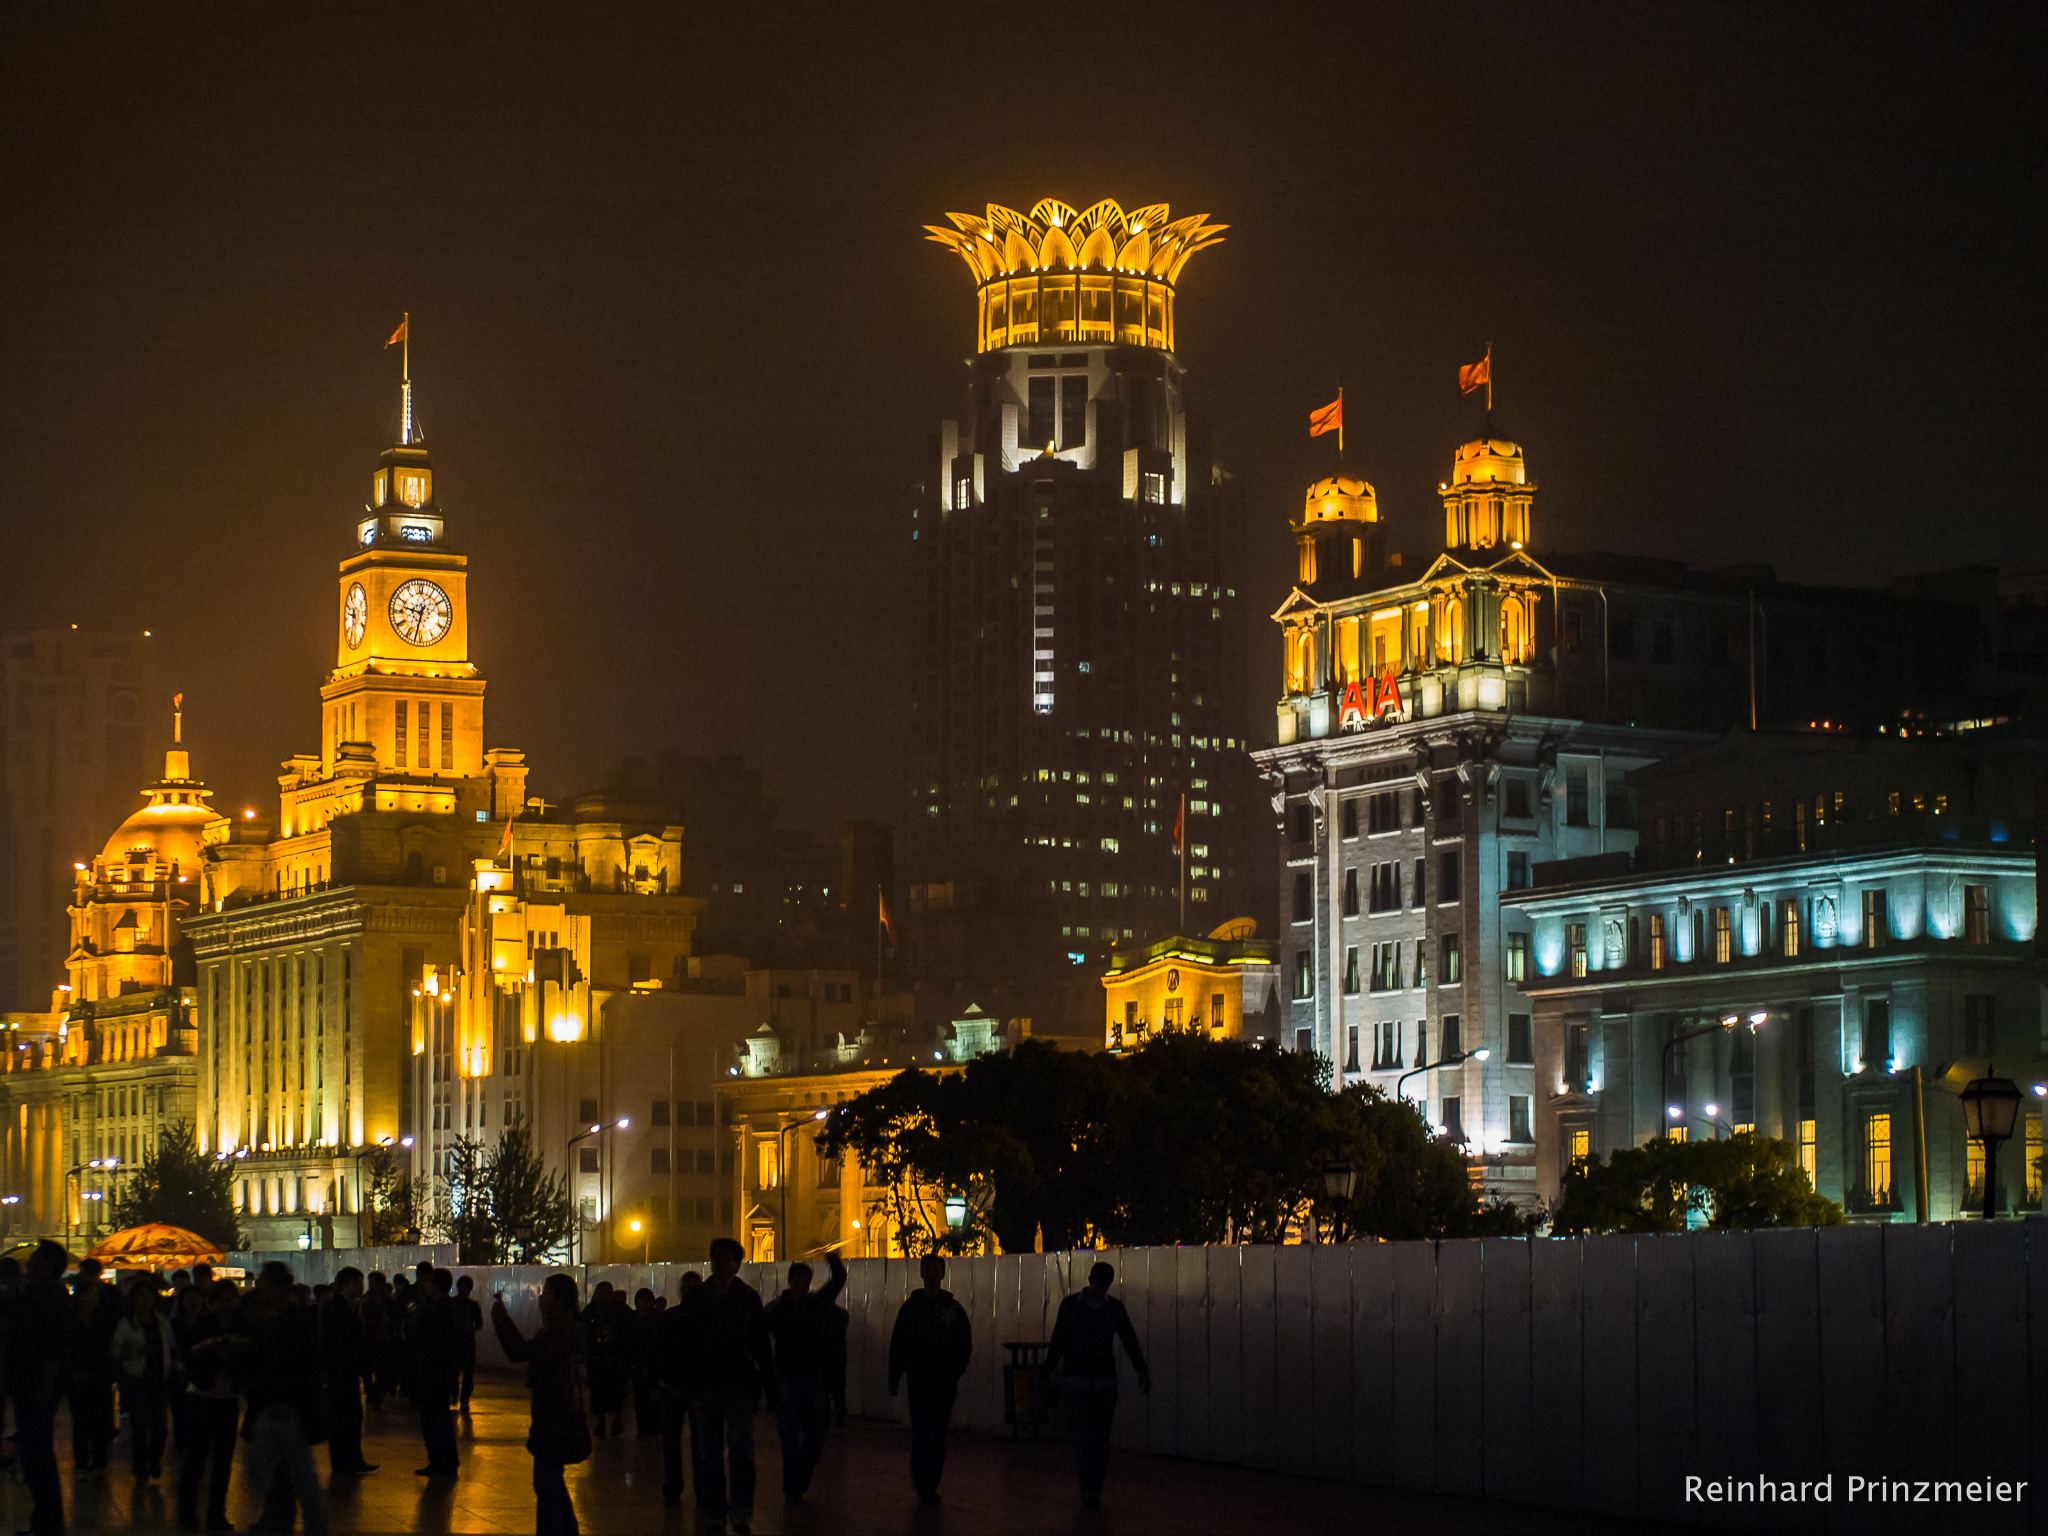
1476,375
1329,419
398,335
1180,825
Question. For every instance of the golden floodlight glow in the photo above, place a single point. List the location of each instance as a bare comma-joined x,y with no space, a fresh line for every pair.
1055,275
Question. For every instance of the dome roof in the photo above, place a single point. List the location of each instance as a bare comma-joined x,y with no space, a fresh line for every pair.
1340,496
1488,459
176,824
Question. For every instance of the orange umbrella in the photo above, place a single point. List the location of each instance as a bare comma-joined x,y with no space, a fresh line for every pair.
155,1246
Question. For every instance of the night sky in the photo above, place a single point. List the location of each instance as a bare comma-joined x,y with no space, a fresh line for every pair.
1759,287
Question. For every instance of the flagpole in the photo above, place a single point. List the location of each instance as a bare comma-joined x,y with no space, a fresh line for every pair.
1489,378
1184,843
1340,428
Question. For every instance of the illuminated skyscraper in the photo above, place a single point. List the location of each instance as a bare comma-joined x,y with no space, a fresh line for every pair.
1076,666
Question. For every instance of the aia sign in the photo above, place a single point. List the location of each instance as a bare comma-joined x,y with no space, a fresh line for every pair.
1367,700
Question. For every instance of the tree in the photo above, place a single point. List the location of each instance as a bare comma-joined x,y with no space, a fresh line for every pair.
179,1186
1187,1140
398,1205
494,1192
1744,1182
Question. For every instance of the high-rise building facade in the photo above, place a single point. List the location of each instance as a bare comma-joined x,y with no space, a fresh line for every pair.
80,717
1441,733
1077,559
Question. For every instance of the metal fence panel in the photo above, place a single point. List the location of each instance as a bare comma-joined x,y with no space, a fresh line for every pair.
1161,1338
1259,1360
1849,1267
1330,1348
1664,1373
1556,1371
1509,1469
1724,1363
1223,1269
1413,1464
1372,1362
1788,1367
1193,1370
1460,1386
1294,1405
1609,1279
1919,1351
1990,1269
978,1402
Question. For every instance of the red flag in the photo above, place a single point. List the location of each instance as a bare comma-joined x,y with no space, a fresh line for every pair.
882,906
1329,419
398,335
1476,375
1180,825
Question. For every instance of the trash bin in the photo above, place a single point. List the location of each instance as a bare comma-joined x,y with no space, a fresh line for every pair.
1025,1398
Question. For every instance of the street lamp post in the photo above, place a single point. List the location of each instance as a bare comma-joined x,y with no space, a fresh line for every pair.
782,1164
1450,1059
523,1231
1755,1021
1990,1106
584,1135
1339,1179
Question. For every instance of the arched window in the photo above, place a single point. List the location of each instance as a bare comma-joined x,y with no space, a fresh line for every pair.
1450,631
1514,631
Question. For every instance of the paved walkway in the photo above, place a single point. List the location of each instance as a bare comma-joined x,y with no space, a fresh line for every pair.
993,1487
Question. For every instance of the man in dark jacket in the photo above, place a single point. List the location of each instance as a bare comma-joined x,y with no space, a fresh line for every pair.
931,1345
342,1361
675,1366
1082,1363
802,1328
469,1322
39,1336
437,1365
278,1353
731,1367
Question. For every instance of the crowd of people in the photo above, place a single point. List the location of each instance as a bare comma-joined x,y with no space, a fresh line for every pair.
202,1365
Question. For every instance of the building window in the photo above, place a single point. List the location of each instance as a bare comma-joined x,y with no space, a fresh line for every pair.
1351,888
1877,1159
1521,1050
1450,974
1877,1034
1450,1042
1304,1042
1447,876
1384,811
1351,1048
1517,799
1578,1073
1980,1024
1578,1145
768,1168
1809,1152
1351,817
1415,896
1518,957
1973,1175
1386,1049
1518,1117
1386,967
1789,935
2033,1163
1351,970
1576,795
1976,914
659,1161
1724,936
1657,941
1575,943
1453,1120
1304,974
1304,822
586,1160
1875,919
447,736
1386,888
1518,871
1304,896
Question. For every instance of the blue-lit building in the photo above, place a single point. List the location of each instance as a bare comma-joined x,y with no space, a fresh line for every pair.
1863,909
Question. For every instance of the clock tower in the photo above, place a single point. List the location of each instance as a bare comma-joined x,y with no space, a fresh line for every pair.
403,694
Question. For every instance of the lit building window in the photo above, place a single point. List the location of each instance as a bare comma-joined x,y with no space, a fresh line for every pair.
1518,956
1976,914
1724,936
2033,1164
1788,928
1575,942
1877,1158
1578,1144
1876,920
1656,941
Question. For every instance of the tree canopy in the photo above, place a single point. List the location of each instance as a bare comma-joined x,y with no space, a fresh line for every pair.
493,1191
1745,1181
1186,1140
177,1185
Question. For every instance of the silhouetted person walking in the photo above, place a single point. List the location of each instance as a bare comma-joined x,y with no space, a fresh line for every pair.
142,1352
560,1433
437,1365
212,1410
89,1372
1082,1363
41,1324
343,1361
675,1365
281,1369
802,1327
728,1349
469,1322
931,1345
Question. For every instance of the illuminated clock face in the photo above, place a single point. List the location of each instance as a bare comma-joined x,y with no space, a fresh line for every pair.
421,612
355,613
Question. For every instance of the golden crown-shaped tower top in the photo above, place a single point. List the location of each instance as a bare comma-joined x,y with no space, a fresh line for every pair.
1054,275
